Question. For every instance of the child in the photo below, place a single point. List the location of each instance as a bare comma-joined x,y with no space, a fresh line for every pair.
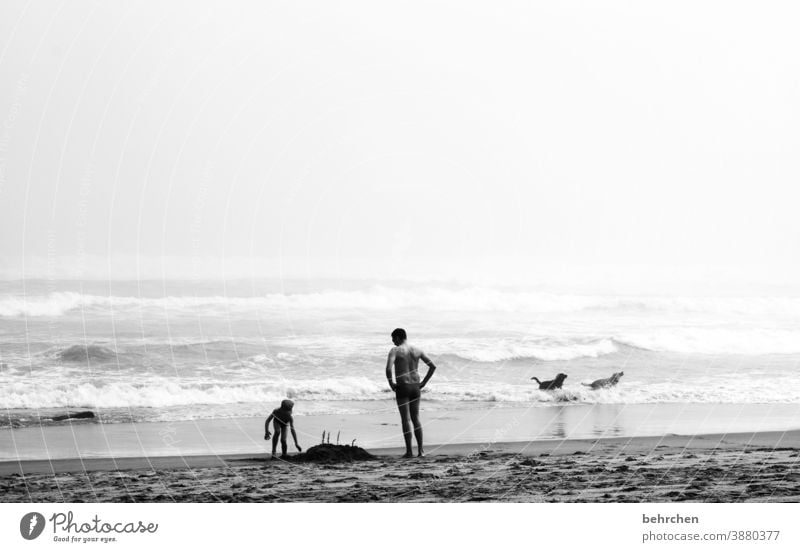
282,418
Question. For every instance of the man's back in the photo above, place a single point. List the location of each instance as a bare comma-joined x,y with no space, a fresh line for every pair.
406,360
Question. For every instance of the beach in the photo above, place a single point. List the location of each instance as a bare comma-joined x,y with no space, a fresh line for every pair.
586,453
740,467
180,376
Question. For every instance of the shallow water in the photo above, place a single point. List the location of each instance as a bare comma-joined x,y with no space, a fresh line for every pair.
381,429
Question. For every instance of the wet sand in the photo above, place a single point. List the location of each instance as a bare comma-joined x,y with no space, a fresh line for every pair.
381,429
737,467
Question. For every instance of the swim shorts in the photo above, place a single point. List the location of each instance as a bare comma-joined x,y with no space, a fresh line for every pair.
407,392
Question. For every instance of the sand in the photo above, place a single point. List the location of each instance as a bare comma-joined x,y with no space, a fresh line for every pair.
705,468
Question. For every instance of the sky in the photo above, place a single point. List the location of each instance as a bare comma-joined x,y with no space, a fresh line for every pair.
518,141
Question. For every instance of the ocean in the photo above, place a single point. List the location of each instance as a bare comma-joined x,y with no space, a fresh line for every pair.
177,351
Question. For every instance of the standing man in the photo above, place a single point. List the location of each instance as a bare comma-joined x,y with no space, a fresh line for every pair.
405,358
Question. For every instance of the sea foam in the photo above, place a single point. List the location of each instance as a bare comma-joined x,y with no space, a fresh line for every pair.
166,393
379,298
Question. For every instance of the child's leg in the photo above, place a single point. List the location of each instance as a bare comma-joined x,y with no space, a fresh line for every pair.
284,446
276,434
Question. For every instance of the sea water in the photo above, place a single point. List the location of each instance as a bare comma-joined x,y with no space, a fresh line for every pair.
177,351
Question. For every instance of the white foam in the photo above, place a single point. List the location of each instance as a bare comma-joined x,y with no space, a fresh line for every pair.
162,392
746,341
165,393
55,304
542,349
541,326
440,299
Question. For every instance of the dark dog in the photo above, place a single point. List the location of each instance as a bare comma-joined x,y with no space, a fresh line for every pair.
607,382
551,384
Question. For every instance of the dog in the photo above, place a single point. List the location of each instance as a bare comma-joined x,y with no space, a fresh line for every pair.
552,384
606,382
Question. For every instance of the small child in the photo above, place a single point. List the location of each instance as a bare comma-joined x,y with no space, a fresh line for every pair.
282,418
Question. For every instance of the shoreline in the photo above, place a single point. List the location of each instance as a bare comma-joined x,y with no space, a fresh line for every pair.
497,455
719,441
381,430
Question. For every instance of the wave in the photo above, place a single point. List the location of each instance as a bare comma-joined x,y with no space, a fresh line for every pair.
540,350
159,392
563,347
305,355
385,298
714,341
86,353
164,393
735,391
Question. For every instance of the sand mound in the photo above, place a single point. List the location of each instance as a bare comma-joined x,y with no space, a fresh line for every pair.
327,453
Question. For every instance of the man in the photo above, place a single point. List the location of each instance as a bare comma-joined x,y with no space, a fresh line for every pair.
405,358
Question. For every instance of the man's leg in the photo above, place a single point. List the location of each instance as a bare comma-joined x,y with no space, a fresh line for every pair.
402,405
413,407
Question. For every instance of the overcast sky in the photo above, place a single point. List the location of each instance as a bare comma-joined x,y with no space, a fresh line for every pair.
409,138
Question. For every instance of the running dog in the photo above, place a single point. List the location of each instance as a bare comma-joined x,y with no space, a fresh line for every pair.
607,382
551,384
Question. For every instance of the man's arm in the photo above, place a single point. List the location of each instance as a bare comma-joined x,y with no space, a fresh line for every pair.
431,369
266,426
294,434
389,364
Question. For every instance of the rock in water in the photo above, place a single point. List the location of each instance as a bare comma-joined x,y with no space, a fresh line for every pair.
331,454
86,414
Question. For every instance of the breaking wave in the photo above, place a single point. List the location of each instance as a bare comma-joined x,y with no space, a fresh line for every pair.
160,392
86,353
535,350
385,298
167,393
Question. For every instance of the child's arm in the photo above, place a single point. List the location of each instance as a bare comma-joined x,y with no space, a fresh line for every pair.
294,434
266,426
